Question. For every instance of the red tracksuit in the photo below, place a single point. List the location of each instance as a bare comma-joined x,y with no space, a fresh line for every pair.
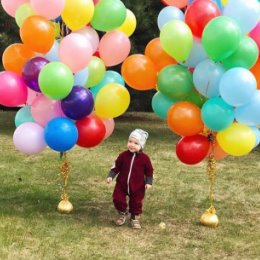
134,171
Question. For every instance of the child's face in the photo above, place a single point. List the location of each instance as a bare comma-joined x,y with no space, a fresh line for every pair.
133,145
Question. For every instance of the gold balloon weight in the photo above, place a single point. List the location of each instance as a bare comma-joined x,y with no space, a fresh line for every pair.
209,217
65,205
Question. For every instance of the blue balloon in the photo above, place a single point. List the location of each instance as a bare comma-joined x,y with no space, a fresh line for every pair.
161,104
110,77
206,78
81,77
23,115
60,134
249,114
257,135
217,114
167,14
237,86
78,104
53,54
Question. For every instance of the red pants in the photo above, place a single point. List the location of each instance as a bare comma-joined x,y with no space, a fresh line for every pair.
135,200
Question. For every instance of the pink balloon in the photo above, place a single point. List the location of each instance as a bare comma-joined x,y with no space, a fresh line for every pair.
91,35
75,51
10,6
96,1
114,47
31,96
29,138
13,91
255,35
48,8
44,109
109,125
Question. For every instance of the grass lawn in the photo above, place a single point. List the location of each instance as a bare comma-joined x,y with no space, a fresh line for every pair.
30,189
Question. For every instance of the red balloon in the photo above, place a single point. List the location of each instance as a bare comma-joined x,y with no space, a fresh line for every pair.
199,13
91,131
192,149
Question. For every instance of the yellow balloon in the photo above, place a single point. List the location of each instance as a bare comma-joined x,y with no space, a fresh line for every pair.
77,13
129,24
112,101
224,2
237,140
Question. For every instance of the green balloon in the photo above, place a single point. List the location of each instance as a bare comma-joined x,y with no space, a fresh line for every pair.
221,37
108,15
96,71
175,81
56,80
176,39
245,56
196,98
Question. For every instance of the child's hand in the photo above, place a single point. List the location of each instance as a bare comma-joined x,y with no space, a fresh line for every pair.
148,186
109,179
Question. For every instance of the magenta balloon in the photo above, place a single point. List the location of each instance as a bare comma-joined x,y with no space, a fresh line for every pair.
13,91
29,138
31,72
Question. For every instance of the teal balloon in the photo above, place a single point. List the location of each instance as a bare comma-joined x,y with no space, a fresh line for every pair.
161,104
245,56
217,114
175,81
110,77
108,15
56,80
221,37
23,115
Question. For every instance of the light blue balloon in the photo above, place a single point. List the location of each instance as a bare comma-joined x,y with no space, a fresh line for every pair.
167,14
61,134
23,115
197,54
161,104
237,86
257,135
217,114
245,12
110,77
249,114
53,54
206,78
81,77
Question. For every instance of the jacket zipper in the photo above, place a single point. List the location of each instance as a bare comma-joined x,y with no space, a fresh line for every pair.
129,174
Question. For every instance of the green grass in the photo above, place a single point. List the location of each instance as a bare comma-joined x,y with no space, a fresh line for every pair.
30,189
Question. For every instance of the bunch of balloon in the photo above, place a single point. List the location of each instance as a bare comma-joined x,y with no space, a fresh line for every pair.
205,67
58,74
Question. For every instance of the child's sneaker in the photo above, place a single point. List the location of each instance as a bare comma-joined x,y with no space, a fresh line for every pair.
121,218
135,222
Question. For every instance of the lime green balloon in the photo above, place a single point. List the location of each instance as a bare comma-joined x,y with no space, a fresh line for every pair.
22,12
245,56
176,39
237,140
108,15
175,81
112,101
221,37
96,71
56,80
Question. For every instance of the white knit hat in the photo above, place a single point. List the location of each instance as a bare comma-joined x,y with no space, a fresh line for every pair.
140,135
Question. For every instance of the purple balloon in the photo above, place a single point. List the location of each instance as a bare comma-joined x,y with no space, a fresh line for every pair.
31,72
78,104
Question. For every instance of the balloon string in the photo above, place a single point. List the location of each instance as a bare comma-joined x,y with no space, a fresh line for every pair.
211,168
64,171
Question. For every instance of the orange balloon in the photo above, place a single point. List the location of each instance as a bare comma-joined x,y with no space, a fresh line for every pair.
139,72
184,119
155,52
256,71
15,56
37,33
